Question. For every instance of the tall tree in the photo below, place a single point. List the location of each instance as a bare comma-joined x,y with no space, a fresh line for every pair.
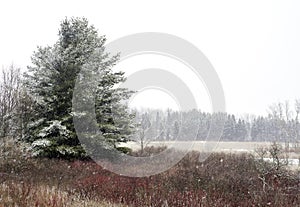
51,79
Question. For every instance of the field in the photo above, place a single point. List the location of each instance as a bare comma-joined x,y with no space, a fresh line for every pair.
291,156
224,179
226,147
203,146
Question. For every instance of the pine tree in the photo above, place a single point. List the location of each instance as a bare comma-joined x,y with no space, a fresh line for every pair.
51,80
241,130
176,129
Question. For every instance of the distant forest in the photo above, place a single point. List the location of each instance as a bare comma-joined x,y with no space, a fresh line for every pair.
281,125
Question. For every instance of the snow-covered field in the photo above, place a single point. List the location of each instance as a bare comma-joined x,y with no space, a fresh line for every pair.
227,147
204,146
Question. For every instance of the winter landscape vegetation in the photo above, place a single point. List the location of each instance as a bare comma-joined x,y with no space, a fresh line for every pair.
43,163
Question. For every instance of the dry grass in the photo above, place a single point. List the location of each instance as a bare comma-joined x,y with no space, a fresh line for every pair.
221,180
25,181
21,194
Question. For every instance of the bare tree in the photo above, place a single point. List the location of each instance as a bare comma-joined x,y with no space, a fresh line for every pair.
297,110
16,106
280,114
9,97
149,128
287,123
144,127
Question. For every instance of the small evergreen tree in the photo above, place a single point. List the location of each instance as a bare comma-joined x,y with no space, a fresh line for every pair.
51,80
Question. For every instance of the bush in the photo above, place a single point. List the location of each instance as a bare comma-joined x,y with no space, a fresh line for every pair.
221,180
148,151
125,150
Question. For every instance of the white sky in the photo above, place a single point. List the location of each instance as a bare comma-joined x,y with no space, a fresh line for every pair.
254,45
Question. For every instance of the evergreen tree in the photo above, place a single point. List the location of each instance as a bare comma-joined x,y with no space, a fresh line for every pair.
229,129
51,79
241,130
176,129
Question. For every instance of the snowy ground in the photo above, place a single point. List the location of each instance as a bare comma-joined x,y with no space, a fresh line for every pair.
227,147
204,146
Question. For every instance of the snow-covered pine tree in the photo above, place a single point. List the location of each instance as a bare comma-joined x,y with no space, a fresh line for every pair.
51,79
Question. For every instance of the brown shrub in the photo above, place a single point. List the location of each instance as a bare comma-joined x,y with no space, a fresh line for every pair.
221,180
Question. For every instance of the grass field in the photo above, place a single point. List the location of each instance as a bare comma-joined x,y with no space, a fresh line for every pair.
223,179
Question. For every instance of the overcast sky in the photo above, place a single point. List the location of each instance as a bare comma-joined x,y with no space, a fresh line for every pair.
253,45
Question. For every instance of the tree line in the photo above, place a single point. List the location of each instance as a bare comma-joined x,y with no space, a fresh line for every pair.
280,125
